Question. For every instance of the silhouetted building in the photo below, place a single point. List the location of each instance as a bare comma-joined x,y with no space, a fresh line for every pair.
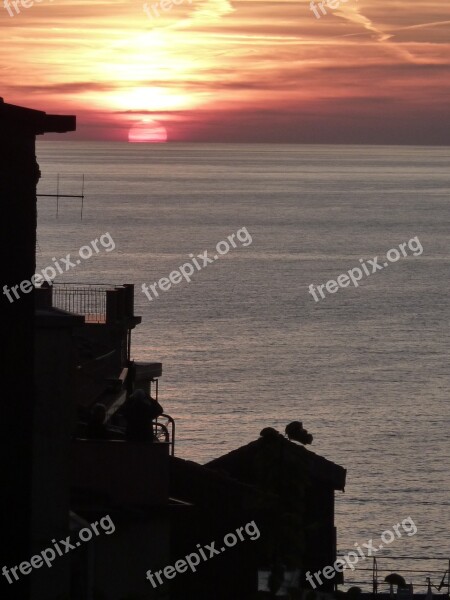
19,174
305,483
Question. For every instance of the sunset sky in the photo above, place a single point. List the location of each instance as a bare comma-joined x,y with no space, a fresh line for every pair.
369,71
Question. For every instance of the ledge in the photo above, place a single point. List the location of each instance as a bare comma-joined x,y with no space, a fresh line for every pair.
34,121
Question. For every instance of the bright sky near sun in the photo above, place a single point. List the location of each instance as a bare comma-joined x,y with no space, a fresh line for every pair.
369,71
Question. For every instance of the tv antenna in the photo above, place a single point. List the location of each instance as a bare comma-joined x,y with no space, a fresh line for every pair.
58,196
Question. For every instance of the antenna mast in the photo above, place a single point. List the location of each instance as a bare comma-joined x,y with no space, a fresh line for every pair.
58,196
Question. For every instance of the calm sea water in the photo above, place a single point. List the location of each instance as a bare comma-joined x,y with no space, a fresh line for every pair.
244,346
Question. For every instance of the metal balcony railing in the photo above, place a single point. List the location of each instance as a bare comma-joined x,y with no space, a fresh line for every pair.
98,302
164,431
82,299
427,574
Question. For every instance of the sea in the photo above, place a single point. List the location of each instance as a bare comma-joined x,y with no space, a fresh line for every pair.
245,345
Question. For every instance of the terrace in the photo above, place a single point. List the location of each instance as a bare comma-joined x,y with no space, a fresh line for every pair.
99,303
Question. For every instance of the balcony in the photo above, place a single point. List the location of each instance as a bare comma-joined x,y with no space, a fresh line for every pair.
87,300
97,303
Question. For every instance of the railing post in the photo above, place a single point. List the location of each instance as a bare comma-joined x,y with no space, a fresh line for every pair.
111,306
120,303
374,578
448,578
129,299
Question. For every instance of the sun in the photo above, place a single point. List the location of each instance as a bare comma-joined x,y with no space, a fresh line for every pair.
147,131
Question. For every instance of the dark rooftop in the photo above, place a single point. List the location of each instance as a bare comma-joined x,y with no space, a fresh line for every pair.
32,121
207,487
240,463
